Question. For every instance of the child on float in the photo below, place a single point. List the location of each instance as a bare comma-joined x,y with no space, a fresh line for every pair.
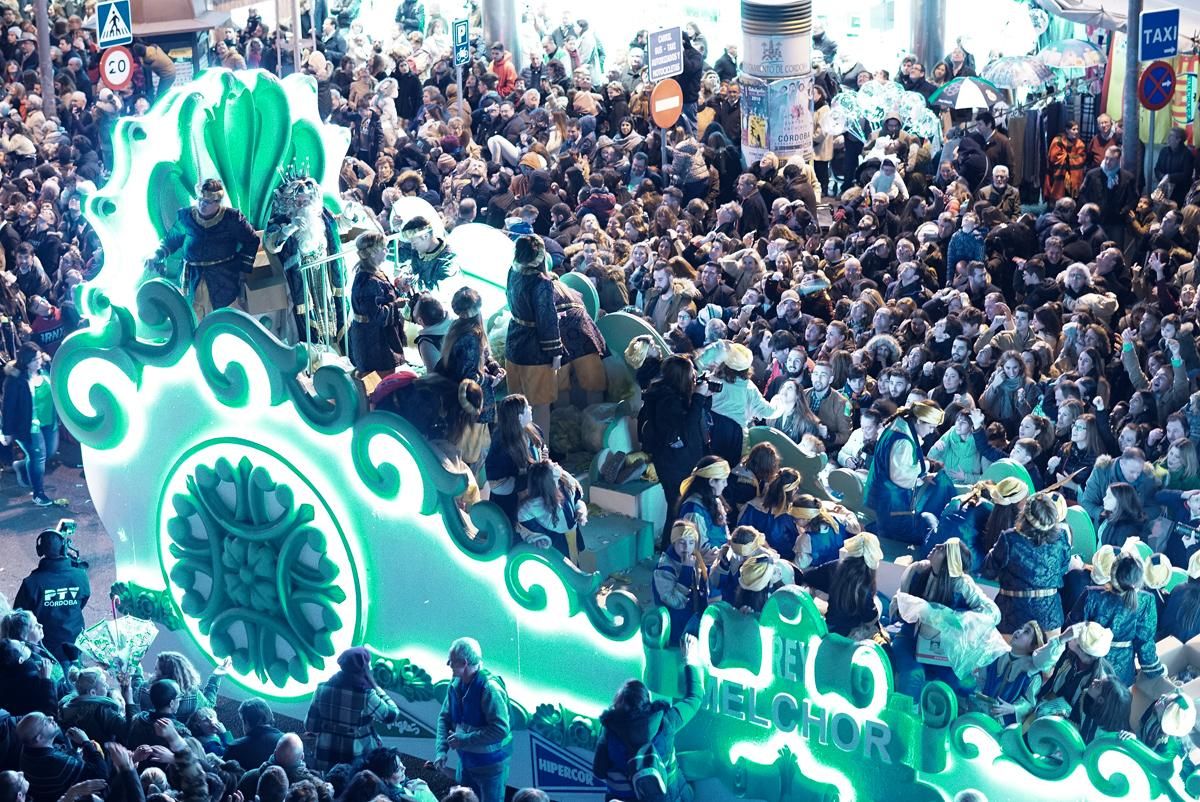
745,542
854,608
1007,688
1029,562
1079,658
554,512
772,514
680,581
1165,725
1130,614
819,535
933,592
1157,575
978,516
759,577
1081,576
702,505
1105,709
516,446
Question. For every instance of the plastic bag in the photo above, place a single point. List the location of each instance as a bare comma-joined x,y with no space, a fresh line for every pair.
967,639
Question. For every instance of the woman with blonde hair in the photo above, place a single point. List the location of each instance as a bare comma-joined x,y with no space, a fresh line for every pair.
1182,466
1029,563
680,580
192,697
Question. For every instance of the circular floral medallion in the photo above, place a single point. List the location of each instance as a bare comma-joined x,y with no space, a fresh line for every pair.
258,565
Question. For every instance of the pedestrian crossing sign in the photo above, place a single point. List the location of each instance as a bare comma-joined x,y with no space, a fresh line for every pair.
113,23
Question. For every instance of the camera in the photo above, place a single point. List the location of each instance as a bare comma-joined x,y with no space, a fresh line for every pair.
65,530
714,385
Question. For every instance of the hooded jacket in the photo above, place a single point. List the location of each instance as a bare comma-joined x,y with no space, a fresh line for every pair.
627,731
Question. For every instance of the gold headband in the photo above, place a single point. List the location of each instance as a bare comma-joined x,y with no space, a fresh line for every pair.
953,551
717,470
683,529
212,195
755,573
746,549
866,546
407,236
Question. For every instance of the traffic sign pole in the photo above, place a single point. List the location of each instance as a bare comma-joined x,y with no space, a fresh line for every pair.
461,50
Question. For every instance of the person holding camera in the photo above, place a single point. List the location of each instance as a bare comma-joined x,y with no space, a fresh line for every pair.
736,399
57,591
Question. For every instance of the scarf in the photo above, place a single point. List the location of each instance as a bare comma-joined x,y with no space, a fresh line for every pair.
1112,176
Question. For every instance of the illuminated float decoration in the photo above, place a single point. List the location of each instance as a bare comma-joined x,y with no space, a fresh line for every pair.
276,520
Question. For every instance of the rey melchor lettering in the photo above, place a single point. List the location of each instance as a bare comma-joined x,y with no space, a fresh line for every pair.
778,710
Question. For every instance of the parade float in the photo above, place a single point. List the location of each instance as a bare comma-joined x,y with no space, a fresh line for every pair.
261,512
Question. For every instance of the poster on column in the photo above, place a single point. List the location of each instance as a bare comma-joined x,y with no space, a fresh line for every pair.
790,126
776,117
755,111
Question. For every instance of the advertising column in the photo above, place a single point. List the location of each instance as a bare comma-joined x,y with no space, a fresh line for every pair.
776,78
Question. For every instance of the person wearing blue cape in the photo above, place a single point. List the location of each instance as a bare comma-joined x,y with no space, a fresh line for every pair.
899,485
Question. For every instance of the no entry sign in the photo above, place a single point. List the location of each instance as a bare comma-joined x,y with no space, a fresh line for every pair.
666,103
1156,87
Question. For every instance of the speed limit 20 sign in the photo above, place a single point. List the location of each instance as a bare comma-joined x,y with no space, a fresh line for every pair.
116,68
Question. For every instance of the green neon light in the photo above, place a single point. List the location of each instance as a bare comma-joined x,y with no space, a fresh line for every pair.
792,712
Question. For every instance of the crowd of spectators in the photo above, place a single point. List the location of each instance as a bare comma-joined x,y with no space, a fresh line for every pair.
903,319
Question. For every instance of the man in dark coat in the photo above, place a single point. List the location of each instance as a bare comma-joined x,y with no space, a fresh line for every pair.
258,744
1115,191
689,81
1176,163
726,65
755,215
219,246
541,198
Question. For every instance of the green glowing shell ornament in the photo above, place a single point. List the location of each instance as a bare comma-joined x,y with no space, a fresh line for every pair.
274,519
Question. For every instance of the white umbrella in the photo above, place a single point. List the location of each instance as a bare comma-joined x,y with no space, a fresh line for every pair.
966,93
1086,12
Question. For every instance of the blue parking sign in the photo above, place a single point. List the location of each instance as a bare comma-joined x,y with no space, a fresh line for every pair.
462,42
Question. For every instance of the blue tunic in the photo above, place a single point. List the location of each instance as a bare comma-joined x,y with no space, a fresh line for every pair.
964,523
782,533
1133,630
881,493
686,618
1021,566
894,506
826,542
756,516
693,509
